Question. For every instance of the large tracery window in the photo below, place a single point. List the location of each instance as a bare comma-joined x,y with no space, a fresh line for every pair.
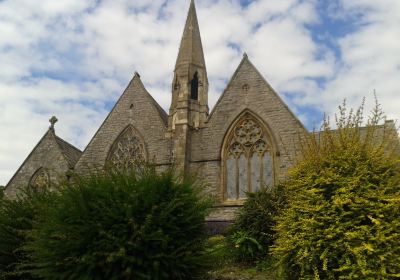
40,180
248,159
127,151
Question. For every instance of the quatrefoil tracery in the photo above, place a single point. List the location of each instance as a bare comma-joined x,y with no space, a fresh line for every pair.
128,151
248,139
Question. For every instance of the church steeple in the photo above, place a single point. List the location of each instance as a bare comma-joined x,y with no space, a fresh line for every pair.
190,84
191,48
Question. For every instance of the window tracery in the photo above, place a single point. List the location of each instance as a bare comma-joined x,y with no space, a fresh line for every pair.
40,180
127,151
248,160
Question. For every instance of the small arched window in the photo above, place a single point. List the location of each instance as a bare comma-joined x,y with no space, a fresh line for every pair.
194,87
247,159
40,180
127,151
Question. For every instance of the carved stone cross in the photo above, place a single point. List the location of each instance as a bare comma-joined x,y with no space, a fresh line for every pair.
52,121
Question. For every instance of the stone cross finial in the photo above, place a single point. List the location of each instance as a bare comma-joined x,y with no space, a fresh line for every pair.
52,121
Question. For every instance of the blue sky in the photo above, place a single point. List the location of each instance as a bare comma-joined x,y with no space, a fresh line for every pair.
73,58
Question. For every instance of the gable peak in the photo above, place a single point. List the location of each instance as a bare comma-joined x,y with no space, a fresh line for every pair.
136,80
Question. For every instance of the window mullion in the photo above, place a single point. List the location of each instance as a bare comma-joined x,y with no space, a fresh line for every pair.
237,177
249,181
261,160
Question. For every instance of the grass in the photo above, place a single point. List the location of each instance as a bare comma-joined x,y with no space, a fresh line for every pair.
224,267
238,272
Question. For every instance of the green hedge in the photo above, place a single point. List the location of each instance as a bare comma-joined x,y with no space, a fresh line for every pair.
121,226
16,219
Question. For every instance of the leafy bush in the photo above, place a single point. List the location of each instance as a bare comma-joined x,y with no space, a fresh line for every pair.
253,231
122,226
16,218
246,246
342,220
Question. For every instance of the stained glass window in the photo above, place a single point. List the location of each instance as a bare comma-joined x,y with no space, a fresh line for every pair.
40,180
127,151
247,159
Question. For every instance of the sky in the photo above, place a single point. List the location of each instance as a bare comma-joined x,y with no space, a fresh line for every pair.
74,58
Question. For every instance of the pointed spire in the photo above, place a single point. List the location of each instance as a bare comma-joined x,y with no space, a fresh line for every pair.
191,49
190,83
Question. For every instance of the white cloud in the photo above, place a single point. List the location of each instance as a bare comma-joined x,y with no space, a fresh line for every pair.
73,58
370,58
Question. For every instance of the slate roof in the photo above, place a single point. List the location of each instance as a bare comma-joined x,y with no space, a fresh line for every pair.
71,153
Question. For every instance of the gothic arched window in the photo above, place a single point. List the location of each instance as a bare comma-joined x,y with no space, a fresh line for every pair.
247,159
40,180
127,151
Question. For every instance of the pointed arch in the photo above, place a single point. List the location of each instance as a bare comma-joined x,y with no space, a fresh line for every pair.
248,155
194,87
40,180
264,124
128,150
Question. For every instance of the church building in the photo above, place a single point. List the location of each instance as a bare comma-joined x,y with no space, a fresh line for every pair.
246,142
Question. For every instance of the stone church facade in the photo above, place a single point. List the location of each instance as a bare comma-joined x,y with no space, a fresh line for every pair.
246,142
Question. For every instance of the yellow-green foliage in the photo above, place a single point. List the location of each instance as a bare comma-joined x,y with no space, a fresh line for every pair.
343,214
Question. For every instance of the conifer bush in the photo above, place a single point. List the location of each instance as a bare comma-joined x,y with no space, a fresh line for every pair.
16,219
116,225
342,219
253,231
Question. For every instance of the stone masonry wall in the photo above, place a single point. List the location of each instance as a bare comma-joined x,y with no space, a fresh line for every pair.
46,154
135,107
247,91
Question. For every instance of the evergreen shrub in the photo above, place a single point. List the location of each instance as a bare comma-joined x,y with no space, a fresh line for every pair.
342,219
253,231
116,225
16,219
